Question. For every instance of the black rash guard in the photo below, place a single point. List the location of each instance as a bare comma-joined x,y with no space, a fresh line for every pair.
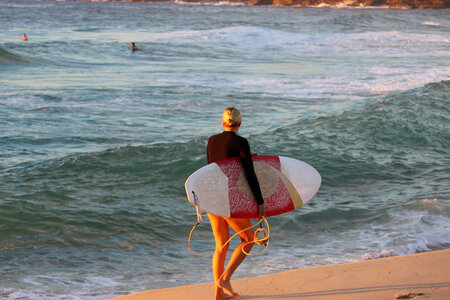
228,144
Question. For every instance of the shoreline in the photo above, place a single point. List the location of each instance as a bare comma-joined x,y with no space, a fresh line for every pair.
422,276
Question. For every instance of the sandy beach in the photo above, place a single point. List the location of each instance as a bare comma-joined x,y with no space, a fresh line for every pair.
419,276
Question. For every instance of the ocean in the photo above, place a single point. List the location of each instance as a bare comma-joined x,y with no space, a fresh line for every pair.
96,141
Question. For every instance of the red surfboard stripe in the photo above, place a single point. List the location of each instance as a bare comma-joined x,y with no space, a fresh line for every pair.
242,206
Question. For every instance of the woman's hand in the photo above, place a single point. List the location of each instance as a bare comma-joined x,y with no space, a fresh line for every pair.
261,211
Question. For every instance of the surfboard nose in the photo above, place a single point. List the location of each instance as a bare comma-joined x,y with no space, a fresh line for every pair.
304,177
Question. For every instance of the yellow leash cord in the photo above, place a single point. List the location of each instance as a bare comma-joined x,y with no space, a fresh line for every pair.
260,241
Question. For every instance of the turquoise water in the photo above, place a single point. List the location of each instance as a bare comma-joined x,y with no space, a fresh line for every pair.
96,141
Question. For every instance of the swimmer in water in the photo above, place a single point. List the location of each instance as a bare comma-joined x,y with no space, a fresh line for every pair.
25,38
133,47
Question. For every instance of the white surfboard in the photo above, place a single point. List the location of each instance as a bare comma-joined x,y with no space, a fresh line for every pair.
221,188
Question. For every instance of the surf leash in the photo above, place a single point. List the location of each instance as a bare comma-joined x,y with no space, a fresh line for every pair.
197,208
263,241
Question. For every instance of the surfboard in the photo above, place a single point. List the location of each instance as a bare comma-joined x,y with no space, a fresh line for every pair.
221,188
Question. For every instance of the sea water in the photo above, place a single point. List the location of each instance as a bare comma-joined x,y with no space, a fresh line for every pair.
96,141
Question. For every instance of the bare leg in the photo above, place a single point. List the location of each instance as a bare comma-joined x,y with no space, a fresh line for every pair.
238,256
221,235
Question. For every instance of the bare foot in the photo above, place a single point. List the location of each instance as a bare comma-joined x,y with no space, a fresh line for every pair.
220,295
226,286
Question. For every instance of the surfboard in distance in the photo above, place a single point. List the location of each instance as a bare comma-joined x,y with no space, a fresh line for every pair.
221,188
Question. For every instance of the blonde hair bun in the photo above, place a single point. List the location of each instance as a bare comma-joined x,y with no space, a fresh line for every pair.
231,117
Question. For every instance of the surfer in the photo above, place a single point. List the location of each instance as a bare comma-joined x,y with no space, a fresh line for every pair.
133,47
220,146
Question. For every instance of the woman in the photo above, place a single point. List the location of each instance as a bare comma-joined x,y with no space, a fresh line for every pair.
220,146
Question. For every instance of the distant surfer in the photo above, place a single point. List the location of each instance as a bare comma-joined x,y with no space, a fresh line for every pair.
133,47
220,146
25,38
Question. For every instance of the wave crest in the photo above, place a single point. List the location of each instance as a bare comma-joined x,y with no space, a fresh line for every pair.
385,139
10,57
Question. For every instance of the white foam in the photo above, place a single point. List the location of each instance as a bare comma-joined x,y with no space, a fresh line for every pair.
413,231
58,286
431,23
407,229
345,5
311,80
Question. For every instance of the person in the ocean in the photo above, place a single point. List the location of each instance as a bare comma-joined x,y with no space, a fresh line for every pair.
25,38
220,146
133,47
